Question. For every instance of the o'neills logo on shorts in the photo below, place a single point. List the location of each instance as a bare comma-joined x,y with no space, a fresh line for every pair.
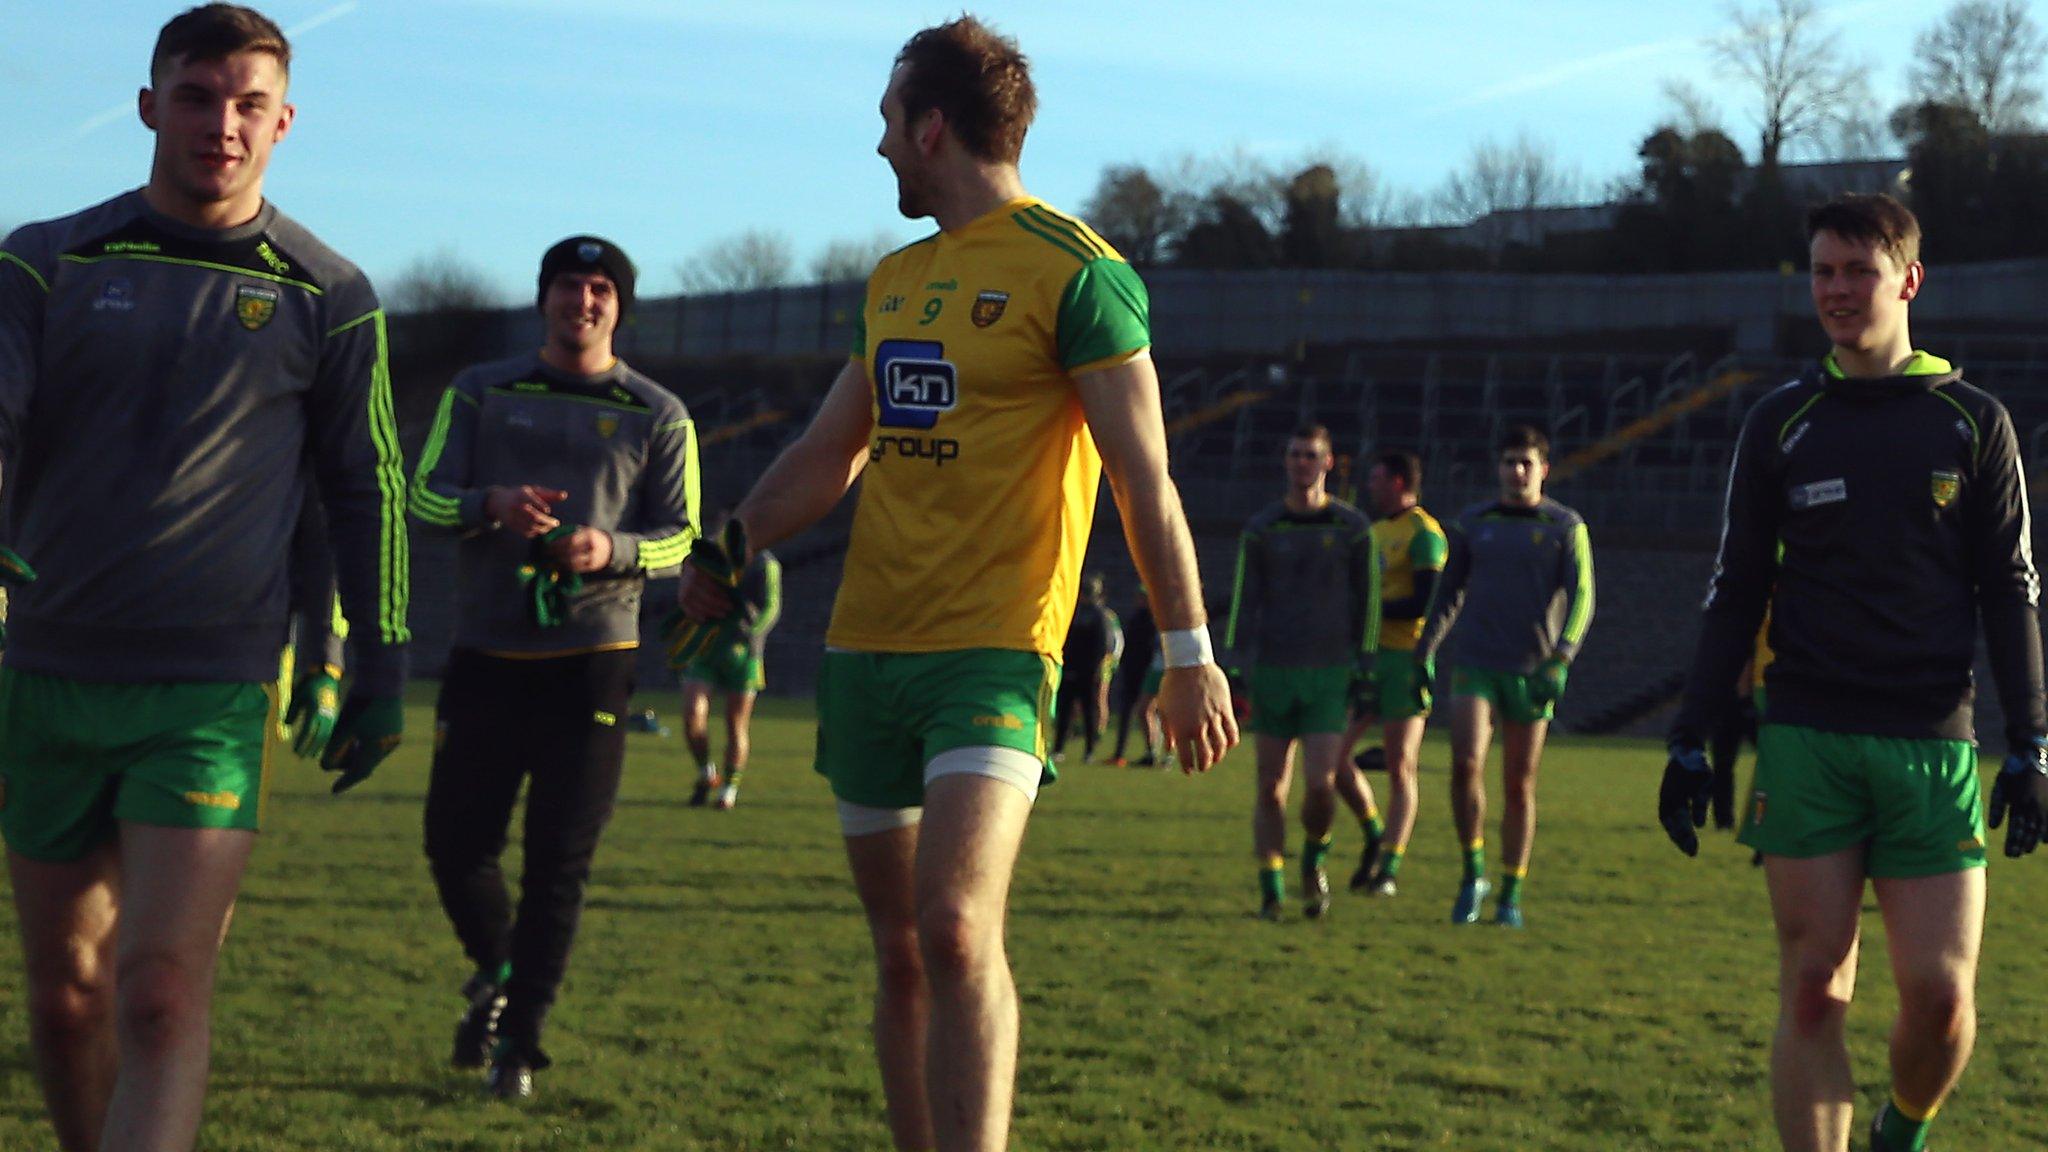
1009,722
1756,808
227,800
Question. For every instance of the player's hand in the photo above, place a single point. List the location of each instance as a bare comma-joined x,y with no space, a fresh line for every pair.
14,573
364,734
1546,685
1425,681
584,549
526,510
2022,789
316,702
1195,713
1682,800
709,588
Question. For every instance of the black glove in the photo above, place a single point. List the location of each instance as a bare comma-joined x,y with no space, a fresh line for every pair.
1365,686
2022,789
1682,800
14,573
365,733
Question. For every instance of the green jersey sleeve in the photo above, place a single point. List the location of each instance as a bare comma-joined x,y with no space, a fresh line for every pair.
859,351
1104,313
1428,550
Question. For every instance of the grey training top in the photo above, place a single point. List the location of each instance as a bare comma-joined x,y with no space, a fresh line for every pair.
162,389
1518,584
1308,589
623,448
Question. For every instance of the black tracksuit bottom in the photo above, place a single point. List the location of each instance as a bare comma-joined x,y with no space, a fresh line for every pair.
557,721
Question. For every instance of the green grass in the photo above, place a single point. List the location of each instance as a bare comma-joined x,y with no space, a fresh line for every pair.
718,998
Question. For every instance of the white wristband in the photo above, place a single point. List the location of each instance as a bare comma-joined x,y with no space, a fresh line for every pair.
1187,647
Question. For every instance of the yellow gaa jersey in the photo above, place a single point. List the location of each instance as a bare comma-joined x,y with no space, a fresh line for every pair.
980,483
1409,543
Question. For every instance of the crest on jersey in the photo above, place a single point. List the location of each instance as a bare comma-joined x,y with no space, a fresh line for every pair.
1947,485
988,308
255,306
607,424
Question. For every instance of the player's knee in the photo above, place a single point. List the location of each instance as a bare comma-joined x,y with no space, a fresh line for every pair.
955,940
160,999
1939,1003
899,963
1814,1004
68,1006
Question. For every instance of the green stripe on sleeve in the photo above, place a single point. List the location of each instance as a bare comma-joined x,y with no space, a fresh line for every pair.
24,265
428,504
1236,596
394,560
1581,615
1373,597
1058,240
1068,227
1103,313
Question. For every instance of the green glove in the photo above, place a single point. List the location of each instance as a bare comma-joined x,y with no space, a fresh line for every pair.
723,558
1425,679
1546,684
14,573
364,734
316,701
547,588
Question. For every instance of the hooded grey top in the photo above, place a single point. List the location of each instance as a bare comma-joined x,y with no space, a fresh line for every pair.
162,390
1518,583
623,448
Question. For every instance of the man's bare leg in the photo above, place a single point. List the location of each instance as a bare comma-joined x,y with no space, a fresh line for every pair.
1934,926
1814,903
1402,742
1321,752
67,915
739,718
697,720
1521,753
1352,786
178,887
1274,757
884,873
967,851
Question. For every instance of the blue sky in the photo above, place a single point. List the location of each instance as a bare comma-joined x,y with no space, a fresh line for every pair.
492,128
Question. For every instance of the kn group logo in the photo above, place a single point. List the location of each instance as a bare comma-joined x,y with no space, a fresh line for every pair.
914,383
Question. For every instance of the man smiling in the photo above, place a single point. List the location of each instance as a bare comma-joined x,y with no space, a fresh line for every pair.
170,361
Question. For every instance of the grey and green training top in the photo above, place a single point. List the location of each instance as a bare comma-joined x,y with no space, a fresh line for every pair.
1307,592
1518,584
162,389
623,448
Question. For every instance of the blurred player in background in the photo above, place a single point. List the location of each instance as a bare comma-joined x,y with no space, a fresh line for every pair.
1095,642
1518,584
735,668
1304,619
1136,683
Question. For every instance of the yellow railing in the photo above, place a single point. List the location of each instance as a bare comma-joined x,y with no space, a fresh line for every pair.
733,431
1215,411
1647,426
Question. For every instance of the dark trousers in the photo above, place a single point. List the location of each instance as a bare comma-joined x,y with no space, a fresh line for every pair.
1724,747
560,722
1082,693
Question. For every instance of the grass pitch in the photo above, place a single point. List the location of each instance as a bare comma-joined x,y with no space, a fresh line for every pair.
719,994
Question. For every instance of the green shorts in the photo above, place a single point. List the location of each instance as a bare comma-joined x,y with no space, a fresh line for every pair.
1916,803
730,668
1398,682
76,757
883,716
1290,702
1150,685
1508,692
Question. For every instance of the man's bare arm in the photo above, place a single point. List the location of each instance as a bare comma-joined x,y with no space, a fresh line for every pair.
1122,406
811,475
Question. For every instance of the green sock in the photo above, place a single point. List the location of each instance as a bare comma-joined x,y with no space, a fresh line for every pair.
1511,888
1373,825
1272,885
1475,860
1390,864
1314,852
1897,1132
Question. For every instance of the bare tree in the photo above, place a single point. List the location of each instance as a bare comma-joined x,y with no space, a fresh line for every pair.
1498,180
1133,212
1792,62
441,281
1692,110
756,258
1984,55
852,259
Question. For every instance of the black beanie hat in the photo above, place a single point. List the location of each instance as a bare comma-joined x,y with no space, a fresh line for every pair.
589,254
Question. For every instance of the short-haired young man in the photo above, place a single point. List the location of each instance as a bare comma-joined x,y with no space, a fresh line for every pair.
169,362
1876,507
734,667
569,478
1518,583
1304,621
1412,549
991,362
